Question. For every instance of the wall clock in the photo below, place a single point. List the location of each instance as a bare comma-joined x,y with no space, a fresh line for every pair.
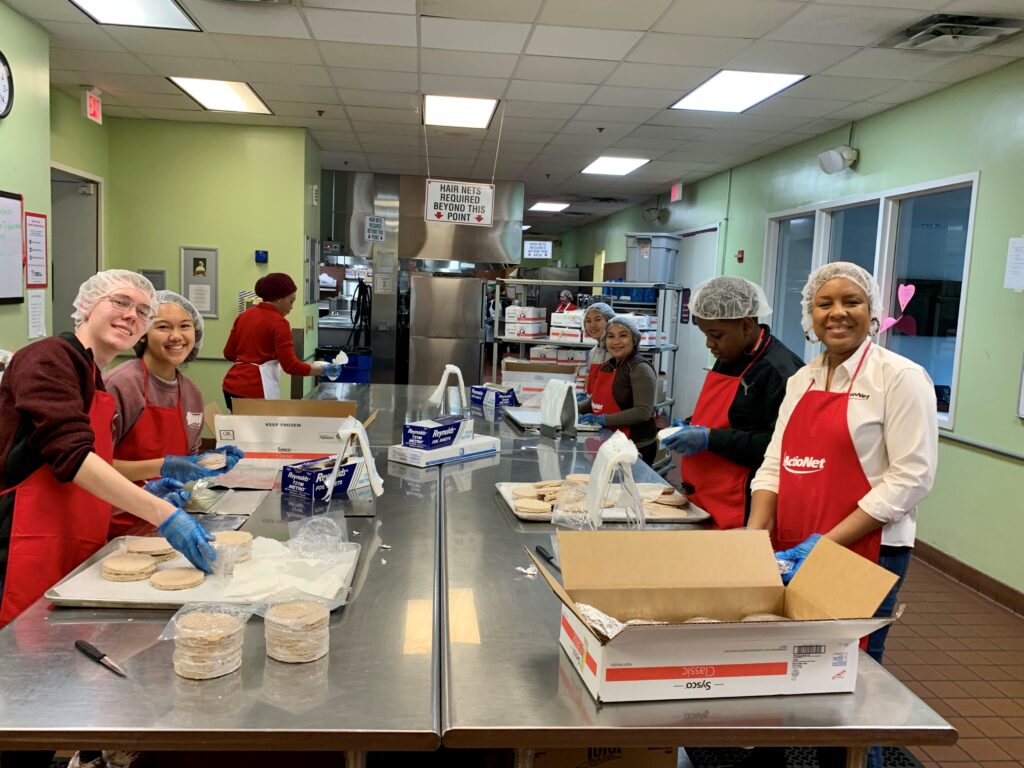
6,87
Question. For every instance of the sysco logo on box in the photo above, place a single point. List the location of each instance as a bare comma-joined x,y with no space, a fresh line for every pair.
802,465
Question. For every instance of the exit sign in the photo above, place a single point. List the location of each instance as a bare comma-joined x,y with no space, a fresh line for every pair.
92,106
677,192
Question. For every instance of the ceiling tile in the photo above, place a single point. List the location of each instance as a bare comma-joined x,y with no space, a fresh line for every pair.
356,27
312,122
248,19
860,111
677,79
255,48
796,58
85,37
633,146
115,82
1014,47
531,124
337,145
159,100
534,90
676,133
603,14
616,114
476,64
563,70
618,96
966,67
539,108
486,36
165,42
390,57
842,25
357,114
381,6
275,72
585,139
55,10
581,43
345,161
484,10
847,88
98,61
887,63
70,77
813,128
1009,8
308,110
611,131
472,87
392,141
240,118
117,111
371,126
193,116
383,80
781,105
923,5
391,99
523,137
908,91
279,92
185,66
728,18
688,50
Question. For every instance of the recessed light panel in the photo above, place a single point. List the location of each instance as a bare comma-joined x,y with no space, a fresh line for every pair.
615,166
222,95
549,207
162,14
732,91
526,226
458,112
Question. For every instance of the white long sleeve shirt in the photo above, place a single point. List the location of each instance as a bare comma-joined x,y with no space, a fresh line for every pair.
892,418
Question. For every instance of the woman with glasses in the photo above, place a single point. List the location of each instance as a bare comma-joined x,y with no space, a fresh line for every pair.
57,484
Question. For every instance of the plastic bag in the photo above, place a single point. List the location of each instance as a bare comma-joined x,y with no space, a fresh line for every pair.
208,639
319,538
203,496
570,509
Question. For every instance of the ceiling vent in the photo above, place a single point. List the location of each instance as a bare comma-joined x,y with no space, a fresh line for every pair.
946,33
607,200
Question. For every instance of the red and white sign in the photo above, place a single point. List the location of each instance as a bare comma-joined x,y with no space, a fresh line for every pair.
92,106
460,202
36,268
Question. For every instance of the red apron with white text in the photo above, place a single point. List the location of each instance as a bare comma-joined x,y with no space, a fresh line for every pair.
601,400
56,525
720,484
821,480
158,432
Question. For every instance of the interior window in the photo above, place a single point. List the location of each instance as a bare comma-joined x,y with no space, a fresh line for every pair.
796,246
853,235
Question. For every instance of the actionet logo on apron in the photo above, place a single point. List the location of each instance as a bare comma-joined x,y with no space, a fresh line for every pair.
193,419
802,465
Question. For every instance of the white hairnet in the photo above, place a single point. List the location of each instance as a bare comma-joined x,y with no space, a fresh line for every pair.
105,283
852,272
170,297
602,308
629,323
729,298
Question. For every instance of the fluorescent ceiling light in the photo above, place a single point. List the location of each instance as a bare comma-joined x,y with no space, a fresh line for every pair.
526,226
551,207
457,112
222,95
615,166
163,14
732,91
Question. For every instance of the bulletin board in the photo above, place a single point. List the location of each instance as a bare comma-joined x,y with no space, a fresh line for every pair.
12,248
199,278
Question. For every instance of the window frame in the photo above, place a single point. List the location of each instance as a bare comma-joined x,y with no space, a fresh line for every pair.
889,201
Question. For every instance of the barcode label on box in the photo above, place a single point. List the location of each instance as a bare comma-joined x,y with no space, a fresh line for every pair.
808,650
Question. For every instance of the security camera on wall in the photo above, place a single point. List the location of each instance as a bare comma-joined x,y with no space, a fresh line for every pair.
837,159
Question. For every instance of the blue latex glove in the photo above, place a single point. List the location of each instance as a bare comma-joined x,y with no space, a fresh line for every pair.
797,555
677,423
188,537
232,454
185,468
169,490
688,440
581,396
592,418
332,371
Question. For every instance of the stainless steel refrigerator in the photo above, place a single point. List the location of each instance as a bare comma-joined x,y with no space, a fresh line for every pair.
446,325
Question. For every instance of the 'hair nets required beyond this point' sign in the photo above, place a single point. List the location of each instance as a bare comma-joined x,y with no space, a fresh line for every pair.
460,202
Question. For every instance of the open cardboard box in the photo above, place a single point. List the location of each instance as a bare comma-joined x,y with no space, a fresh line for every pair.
673,576
302,429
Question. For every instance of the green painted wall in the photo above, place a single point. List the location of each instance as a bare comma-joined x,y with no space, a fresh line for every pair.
974,511
311,228
76,142
230,187
25,143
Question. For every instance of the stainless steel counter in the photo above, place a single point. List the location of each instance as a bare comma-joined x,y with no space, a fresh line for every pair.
376,689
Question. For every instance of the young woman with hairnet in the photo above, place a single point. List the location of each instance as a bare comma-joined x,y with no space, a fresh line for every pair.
623,389
159,410
594,321
732,422
855,447
57,485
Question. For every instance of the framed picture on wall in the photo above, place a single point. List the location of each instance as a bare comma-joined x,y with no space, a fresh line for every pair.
199,278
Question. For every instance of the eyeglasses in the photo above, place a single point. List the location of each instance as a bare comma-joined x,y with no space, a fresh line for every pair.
124,303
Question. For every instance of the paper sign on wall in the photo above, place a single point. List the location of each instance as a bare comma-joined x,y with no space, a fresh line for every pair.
35,244
460,202
375,229
1014,278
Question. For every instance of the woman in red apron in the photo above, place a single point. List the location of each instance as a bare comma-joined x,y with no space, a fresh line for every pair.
57,485
594,321
735,413
624,387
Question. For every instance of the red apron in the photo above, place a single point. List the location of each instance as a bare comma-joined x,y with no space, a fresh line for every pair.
56,525
158,432
592,371
821,480
601,400
720,485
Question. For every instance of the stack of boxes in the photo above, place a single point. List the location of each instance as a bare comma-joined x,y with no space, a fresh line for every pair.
435,441
525,322
567,326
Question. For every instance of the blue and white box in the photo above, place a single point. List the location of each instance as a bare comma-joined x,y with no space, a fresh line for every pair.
477,447
309,478
442,432
502,397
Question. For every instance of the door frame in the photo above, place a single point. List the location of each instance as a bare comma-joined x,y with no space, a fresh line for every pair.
101,253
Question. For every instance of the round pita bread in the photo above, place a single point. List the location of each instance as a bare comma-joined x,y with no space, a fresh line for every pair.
533,508
233,538
155,546
127,567
579,479
177,578
213,461
524,491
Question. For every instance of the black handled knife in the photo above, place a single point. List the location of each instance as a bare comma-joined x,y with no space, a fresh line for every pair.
99,656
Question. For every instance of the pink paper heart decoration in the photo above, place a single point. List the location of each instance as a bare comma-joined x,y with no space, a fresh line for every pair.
905,293
888,323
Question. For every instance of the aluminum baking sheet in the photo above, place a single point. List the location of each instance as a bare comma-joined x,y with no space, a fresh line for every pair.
648,491
85,587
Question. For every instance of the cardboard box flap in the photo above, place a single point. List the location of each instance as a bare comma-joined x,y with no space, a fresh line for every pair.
678,604
561,594
836,583
645,559
336,409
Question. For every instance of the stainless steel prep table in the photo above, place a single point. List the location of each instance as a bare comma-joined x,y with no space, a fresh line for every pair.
507,683
377,689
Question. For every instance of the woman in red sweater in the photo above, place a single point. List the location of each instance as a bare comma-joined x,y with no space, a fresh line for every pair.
260,344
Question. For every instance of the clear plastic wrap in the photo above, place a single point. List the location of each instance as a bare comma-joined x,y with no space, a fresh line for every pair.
570,509
208,639
203,496
297,630
319,538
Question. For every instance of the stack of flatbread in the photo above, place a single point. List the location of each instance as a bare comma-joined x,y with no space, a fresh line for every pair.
297,631
208,644
534,501
667,504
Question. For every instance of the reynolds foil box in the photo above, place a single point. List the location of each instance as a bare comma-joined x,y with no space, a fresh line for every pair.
309,478
437,433
503,397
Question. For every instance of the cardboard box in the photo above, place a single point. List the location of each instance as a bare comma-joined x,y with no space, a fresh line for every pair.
572,355
673,576
531,329
481,396
606,757
531,314
268,437
309,478
572,319
336,409
567,334
526,376
417,457
441,432
544,353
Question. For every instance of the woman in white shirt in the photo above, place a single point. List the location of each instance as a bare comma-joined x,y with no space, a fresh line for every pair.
855,447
